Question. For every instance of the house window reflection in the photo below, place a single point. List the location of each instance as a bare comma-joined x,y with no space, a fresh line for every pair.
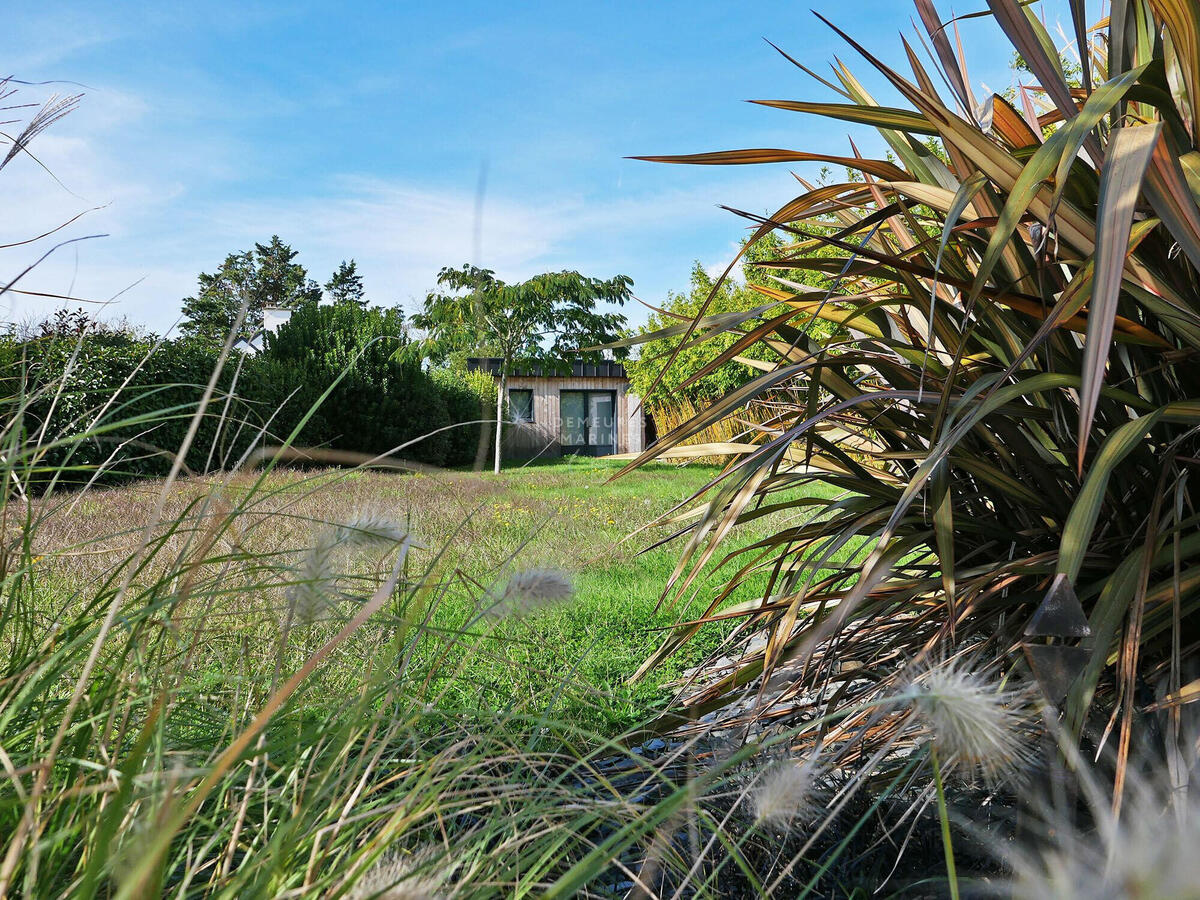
520,405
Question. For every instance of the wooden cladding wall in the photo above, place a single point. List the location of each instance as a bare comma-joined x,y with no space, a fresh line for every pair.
540,437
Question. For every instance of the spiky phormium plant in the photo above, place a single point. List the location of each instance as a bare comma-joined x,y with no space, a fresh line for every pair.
1019,394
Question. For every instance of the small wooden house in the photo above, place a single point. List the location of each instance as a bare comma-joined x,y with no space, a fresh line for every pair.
583,409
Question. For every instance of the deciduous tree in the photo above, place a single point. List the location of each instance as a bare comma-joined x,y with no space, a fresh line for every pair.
541,320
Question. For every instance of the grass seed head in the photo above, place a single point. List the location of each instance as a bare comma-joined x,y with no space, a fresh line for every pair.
534,589
1150,853
788,794
312,595
975,726
393,878
368,527
316,586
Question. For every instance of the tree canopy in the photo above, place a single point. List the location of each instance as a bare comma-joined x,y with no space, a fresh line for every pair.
664,330
346,285
546,319
266,276
730,299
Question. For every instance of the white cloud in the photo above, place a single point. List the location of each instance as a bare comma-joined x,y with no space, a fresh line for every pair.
168,215
27,52
401,234
716,268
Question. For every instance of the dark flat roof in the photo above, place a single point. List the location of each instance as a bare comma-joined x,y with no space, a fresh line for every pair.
605,369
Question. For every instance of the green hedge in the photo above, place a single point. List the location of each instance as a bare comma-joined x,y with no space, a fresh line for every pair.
379,398
470,396
124,403
120,402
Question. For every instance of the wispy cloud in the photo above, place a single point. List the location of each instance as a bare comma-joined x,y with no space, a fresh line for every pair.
401,232
209,127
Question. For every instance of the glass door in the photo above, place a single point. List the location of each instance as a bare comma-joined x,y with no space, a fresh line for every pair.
600,422
587,422
572,421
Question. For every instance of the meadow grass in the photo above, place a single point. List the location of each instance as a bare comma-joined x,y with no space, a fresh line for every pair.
174,726
572,661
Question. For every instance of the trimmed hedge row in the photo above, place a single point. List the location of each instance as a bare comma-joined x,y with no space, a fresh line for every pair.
340,377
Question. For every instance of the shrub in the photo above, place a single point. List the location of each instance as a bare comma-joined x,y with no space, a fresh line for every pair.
1016,409
379,398
683,368
123,403
692,373
469,397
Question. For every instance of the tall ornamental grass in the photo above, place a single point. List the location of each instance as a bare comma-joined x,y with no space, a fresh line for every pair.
225,696
241,687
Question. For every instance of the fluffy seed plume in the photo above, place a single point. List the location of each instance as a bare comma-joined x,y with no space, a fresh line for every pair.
1147,853
367,527
316,585
974,725
533,589
788,794
393,878
312,595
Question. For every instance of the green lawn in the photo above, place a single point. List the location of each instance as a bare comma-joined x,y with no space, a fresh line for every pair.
571,661
568,515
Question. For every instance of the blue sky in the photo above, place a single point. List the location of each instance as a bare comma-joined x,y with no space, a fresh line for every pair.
361,129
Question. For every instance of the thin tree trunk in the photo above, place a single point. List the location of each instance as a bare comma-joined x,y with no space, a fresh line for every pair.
500,411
